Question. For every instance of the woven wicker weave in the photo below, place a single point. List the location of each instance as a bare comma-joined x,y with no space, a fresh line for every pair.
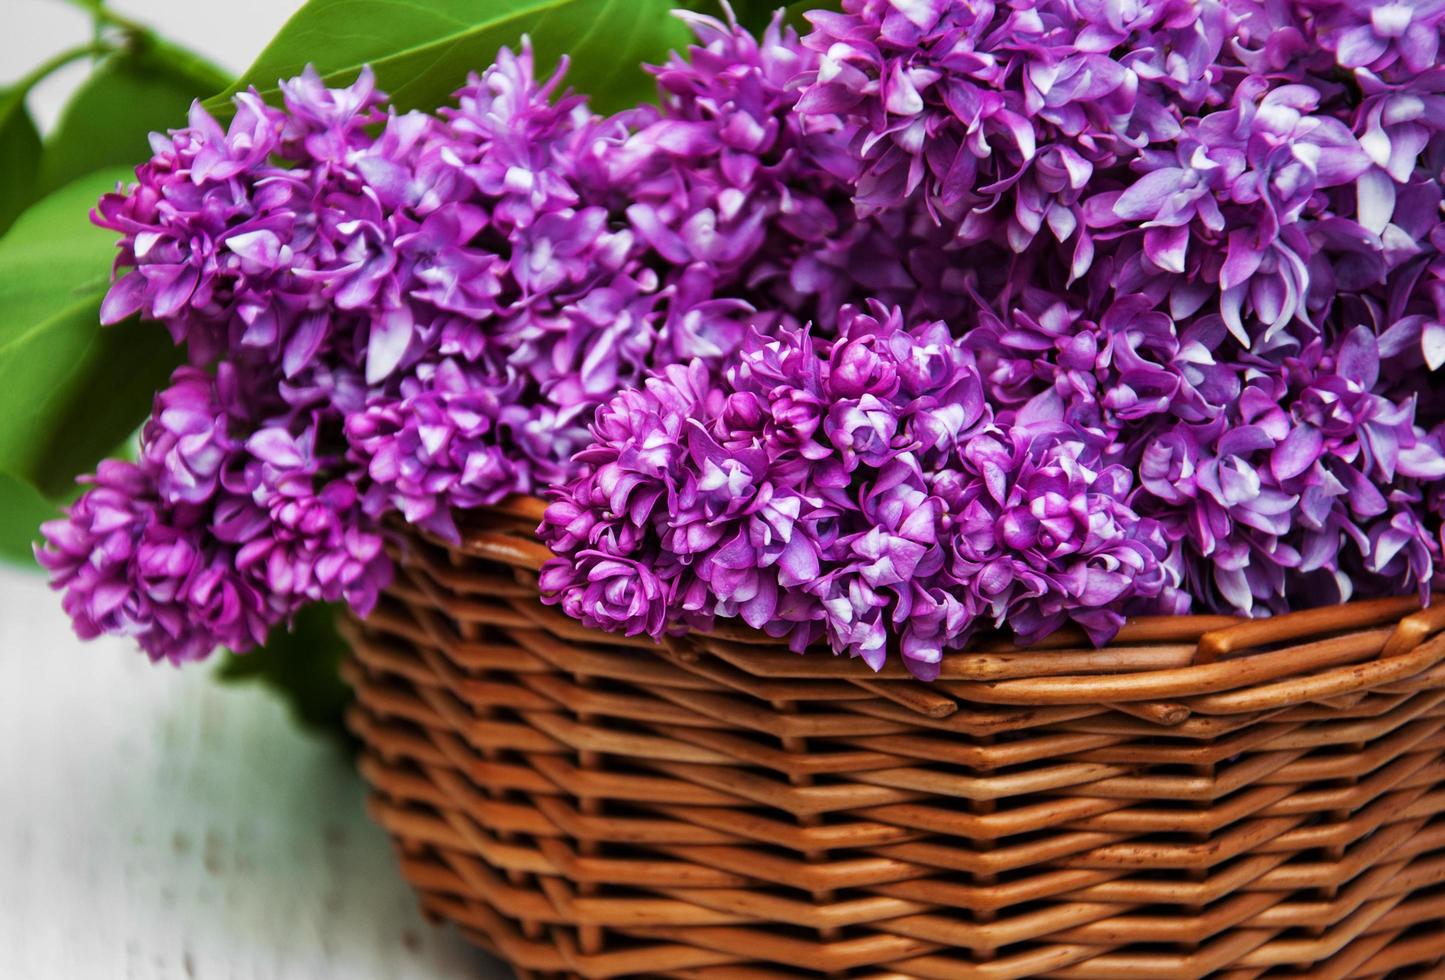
1205,798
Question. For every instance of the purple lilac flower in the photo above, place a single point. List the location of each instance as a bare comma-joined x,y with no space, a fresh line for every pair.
1281,495
1174,270
1046,535
230,237
614,248
727,185
129,568
224,527
297,528
1396,36
999,116
1235,186
437,448
856,490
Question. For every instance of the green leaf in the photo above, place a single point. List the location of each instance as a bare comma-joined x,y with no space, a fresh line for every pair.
421,52
54,257
303,666
185,63
19,156
70,390
22,511
110,397
143,89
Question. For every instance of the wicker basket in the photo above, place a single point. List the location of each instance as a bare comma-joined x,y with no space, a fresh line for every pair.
1206,797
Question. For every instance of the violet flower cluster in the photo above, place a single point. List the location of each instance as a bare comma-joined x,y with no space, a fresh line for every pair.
1194,250
424,311
235,515
859,489
945,316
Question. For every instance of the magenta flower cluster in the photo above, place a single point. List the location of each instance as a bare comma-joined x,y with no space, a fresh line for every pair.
232,519
946,316
859,489
417,314
1192,251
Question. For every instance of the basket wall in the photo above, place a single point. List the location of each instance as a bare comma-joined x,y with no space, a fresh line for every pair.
1204,798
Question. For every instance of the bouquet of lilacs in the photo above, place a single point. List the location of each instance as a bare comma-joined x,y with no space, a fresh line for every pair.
938,318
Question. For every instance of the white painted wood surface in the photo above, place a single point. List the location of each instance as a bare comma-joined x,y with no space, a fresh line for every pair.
155,825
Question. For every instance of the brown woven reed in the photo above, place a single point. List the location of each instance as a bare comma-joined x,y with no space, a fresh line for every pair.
1206,797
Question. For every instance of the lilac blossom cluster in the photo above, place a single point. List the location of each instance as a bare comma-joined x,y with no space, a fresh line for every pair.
425,310
233,517
859,489
1220,224
945,316
1195,253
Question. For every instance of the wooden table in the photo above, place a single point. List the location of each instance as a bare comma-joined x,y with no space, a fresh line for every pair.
155,825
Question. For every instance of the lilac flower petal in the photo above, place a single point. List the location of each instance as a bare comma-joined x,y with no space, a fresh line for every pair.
1297,453
391,335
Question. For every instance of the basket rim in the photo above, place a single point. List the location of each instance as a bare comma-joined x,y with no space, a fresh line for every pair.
1219,664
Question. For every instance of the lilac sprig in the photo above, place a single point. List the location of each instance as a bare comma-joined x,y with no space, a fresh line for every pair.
452,293
859,490
997,117
129,567
1300,493
225,526
939,318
